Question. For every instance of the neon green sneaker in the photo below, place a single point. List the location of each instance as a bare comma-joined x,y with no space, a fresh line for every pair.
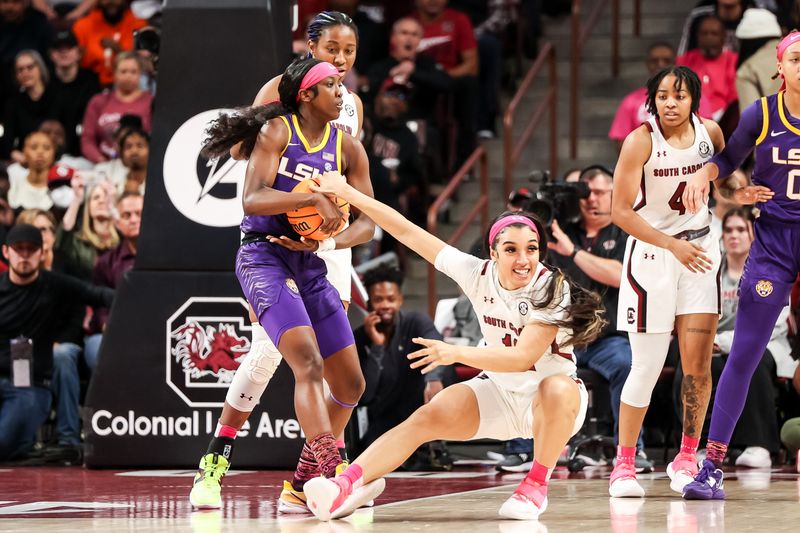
206,492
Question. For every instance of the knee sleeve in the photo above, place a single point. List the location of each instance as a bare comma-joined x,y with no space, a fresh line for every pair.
648,353
253,375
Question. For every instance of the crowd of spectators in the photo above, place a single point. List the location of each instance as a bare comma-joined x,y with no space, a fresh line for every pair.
76,103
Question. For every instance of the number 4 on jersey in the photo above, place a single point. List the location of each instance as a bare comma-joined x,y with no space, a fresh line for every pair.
676,202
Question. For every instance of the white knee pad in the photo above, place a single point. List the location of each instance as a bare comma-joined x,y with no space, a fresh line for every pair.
648,353
253,375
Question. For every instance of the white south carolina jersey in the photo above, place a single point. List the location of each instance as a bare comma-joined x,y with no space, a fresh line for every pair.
348,116
503,314
664,178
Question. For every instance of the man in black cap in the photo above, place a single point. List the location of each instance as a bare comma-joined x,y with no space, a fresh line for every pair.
73,85
31,300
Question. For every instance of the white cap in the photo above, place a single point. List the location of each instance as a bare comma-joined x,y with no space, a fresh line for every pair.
757,24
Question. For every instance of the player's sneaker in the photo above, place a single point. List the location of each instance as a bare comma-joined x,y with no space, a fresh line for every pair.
527,502
707,484
754,457
207,488
291,500
623,482
681,471
327,501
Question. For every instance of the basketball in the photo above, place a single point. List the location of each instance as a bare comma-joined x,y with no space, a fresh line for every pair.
306,221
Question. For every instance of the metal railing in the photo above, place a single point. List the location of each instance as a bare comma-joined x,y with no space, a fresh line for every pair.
580,34
481,207
512,150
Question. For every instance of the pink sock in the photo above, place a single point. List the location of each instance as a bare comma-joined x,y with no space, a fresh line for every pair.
538,473
349,478
626,454
340,444
228,432
689,444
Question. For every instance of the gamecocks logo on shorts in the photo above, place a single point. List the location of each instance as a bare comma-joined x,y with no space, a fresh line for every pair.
631,315
207,337
764,288
208,192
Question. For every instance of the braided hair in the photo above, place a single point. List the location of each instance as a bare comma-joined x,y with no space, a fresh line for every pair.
329,19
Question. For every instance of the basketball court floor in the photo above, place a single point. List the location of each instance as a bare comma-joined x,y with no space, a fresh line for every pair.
467,499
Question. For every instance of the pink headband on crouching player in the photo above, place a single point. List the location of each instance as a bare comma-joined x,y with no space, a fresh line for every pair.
785,43
318,72
504,222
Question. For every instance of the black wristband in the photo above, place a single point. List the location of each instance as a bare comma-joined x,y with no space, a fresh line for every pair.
574,253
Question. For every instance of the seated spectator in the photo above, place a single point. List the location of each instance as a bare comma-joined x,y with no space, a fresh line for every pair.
102,119
391,145
757,430
77,247
45,222
715,66
31,300
112,265
34,102
448,37
730,12
632,112
29,189
104,33
490,19
74,86
21,28
129,171
58,135
393,389
63,13
420,73
759,34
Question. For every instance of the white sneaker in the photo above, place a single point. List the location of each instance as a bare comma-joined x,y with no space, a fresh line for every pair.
754,457
321,495
623,483
521,508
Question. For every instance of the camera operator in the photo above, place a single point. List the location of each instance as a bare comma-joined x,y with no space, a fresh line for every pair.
590,252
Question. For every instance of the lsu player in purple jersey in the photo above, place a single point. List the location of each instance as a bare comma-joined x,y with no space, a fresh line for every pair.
332,37
280,274
771,127
670,271
530,318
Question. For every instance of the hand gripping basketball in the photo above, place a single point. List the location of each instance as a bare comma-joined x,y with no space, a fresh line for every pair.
309,221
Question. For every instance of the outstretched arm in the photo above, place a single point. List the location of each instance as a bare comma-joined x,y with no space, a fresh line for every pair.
411,235
534,340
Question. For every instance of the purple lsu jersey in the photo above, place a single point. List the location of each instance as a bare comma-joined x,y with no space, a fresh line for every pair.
299,161
777,151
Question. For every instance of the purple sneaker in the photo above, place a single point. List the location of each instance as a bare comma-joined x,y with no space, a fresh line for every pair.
707,484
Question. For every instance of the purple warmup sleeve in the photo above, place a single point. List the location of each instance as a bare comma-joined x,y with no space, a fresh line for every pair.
741,142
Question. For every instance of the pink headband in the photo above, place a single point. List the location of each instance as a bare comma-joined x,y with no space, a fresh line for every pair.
318,72
504,222
785,43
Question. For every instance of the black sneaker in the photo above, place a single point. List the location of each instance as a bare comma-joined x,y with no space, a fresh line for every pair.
515,462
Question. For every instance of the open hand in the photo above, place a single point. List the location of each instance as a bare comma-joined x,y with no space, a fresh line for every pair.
436,353
561,244
695,194
330,182
690,255
752,194
303,245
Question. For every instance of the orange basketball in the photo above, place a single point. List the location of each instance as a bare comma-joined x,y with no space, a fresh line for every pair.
306,221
